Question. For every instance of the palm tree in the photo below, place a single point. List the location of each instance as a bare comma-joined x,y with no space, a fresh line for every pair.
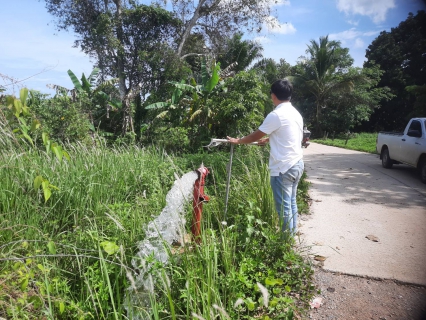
271,70
241,52
322,73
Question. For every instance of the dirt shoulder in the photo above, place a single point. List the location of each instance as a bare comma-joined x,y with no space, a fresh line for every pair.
350,297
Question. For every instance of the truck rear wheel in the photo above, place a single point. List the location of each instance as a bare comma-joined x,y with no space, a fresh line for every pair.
387,162
423,171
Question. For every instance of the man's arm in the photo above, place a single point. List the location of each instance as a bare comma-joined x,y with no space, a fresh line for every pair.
252,137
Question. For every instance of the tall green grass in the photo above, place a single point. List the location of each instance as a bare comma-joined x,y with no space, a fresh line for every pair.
70,257
356,141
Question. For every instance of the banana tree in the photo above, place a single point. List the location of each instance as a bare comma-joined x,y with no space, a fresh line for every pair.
88,85
85,86
201,109
103,102
193,97
172,103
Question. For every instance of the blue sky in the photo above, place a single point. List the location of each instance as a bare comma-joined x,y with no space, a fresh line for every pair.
31,48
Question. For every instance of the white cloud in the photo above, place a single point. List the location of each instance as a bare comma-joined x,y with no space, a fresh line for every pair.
262,40
375,9
351,34
352,22
345,35
274,26
359,43
370,33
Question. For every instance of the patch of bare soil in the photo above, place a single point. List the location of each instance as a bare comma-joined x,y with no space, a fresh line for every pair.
345,297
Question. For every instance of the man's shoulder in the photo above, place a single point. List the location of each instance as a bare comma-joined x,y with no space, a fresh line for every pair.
289,112
272,114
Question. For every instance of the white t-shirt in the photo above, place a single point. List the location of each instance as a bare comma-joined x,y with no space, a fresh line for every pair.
284,125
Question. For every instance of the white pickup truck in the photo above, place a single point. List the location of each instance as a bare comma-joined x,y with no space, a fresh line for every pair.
407,147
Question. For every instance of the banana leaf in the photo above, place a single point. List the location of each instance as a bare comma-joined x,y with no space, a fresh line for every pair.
157,105
93,76
75,81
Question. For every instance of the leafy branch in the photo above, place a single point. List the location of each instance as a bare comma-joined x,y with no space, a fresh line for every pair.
19,118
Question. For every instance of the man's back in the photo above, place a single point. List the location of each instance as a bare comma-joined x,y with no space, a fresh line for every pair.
285,128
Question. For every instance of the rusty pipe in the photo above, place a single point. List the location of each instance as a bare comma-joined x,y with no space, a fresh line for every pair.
199,197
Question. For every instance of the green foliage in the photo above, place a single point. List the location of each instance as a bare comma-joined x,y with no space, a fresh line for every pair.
174,139
400,55
345,112
190,104
33,289
17,114
215,108
130,42
72,260
39,181
87,84
19,117
241,52
321,76
64,119
173,103
419,109
201,109
240,110
223,20
271,71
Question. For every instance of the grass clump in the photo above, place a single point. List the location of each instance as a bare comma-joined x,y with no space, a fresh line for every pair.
69,257
354,141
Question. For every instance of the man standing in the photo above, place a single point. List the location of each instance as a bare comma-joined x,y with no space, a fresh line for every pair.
284,125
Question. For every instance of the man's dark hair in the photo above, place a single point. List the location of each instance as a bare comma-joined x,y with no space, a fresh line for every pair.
282,89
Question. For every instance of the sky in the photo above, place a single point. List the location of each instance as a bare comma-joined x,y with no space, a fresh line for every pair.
35,54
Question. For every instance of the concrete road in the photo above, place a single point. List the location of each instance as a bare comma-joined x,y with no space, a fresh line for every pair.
353,198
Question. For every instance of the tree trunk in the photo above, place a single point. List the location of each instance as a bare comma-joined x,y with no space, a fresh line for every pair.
318,125
127,112
127,117
189,26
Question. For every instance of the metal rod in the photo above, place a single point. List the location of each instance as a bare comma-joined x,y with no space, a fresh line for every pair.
217,142
228,180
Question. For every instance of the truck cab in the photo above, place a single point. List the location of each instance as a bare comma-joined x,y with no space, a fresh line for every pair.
408,147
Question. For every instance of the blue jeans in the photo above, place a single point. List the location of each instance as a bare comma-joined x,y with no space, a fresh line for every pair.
284,188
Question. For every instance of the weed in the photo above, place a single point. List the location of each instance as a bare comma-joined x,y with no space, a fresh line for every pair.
69,257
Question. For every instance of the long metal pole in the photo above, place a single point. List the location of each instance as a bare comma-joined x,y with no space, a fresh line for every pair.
228,179
215,143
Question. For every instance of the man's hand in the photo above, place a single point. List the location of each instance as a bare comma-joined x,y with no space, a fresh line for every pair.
252,137
262,142
233,140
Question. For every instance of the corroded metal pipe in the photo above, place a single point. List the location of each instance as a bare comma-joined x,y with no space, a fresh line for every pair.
199,197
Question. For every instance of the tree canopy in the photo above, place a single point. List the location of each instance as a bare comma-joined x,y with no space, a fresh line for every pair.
331,93
239,51
217,20
271,70
320,74
129,41
400,53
